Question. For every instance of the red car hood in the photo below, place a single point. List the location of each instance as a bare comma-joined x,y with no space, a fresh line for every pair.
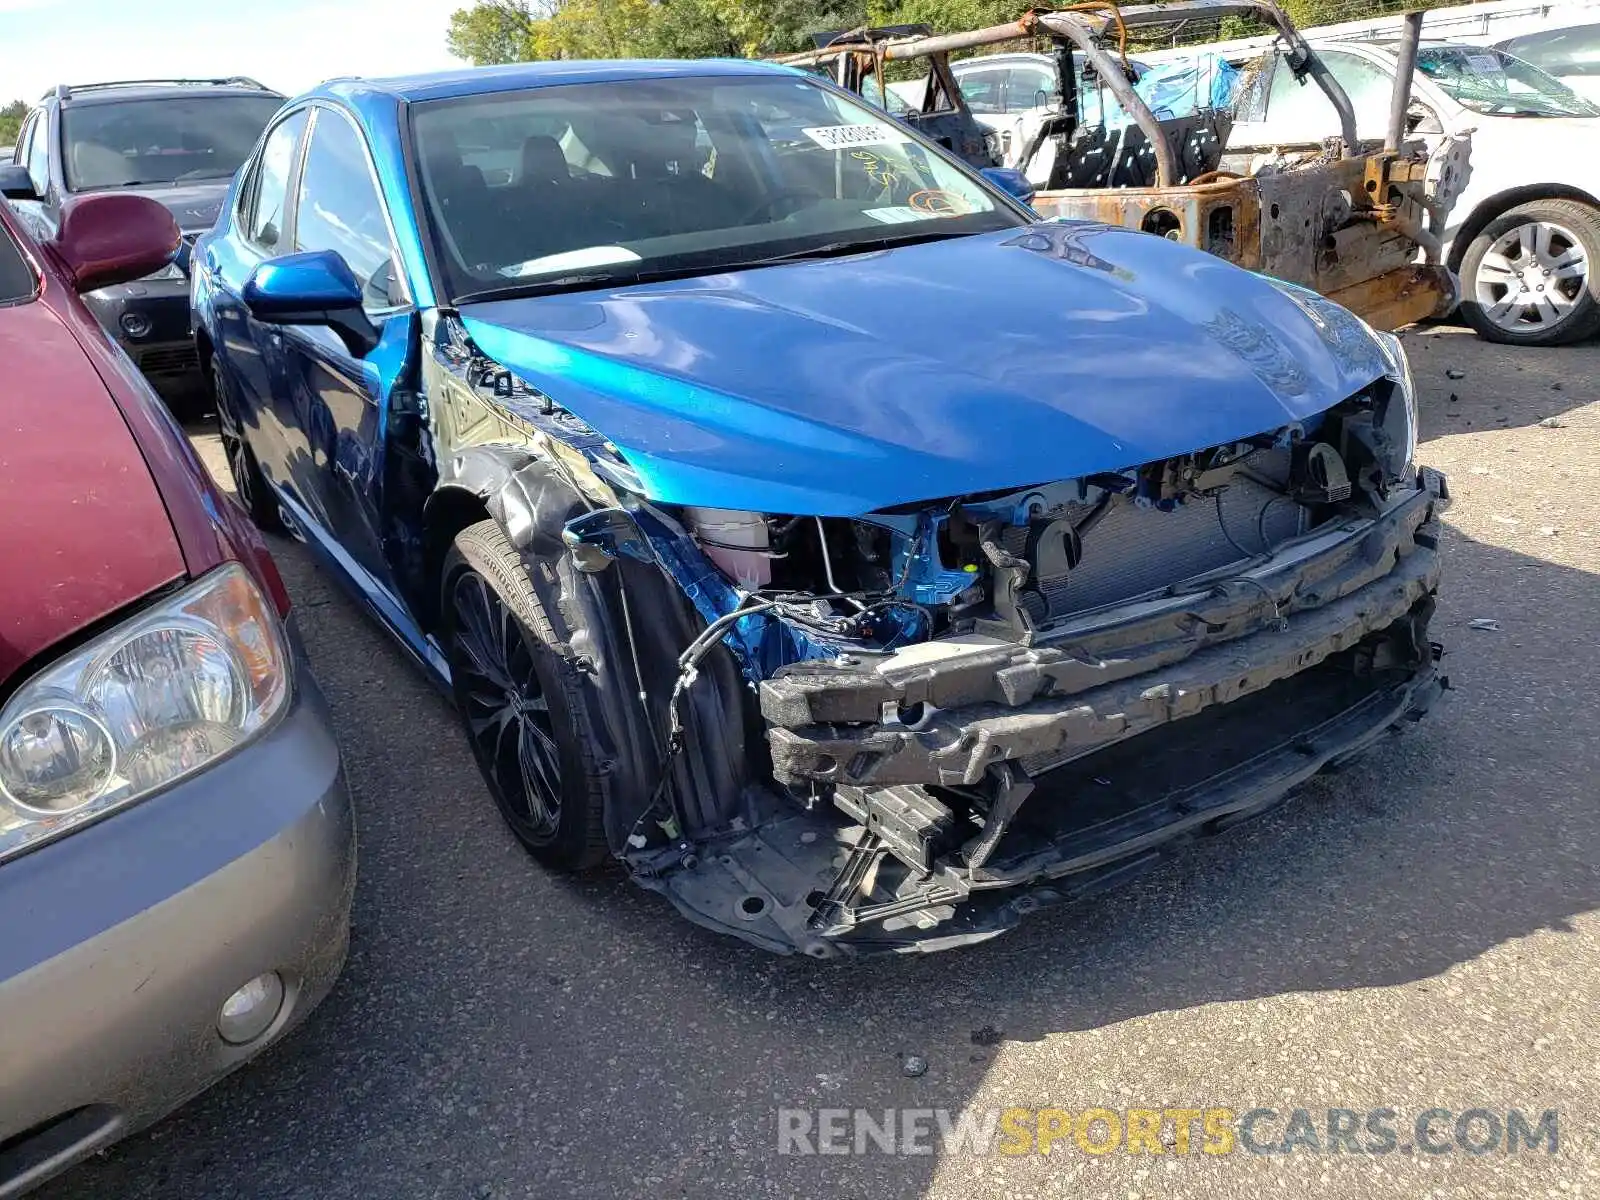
83,531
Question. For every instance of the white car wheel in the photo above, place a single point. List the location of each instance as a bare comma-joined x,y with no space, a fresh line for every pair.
1530,276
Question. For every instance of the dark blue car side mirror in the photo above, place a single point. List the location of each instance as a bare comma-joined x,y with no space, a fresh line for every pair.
316,287
15,183
1010,181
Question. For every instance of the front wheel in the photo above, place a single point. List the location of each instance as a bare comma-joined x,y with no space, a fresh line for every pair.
1530,277
522,702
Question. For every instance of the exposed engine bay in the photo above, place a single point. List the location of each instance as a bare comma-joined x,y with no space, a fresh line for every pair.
1016,564
954,711
903,730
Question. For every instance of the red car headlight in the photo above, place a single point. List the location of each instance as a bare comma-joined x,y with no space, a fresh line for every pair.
154,700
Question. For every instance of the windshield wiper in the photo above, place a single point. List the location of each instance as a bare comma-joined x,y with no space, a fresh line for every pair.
515,288
858,246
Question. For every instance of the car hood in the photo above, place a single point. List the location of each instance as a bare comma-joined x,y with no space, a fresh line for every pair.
842,386
194,206
83,531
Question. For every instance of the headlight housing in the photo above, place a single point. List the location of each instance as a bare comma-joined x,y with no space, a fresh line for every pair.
158,698
1405,390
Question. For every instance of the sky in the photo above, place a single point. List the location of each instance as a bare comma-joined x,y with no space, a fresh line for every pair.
286,44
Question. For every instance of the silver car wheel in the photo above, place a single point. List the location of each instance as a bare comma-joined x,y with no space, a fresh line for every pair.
1532,277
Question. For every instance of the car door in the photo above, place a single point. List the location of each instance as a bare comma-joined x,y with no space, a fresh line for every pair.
341,401
251,352
1030,95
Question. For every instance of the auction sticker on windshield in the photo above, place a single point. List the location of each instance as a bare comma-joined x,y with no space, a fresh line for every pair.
837,137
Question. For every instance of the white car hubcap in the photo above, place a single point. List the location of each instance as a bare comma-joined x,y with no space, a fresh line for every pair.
1532,277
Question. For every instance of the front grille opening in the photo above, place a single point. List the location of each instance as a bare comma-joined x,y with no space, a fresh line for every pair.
1141,784
36,1153
169,360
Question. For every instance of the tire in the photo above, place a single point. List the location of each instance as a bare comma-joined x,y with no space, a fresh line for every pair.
522,703
1532,275
249,487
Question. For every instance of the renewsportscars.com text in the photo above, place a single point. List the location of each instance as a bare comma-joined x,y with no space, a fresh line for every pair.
1162,1131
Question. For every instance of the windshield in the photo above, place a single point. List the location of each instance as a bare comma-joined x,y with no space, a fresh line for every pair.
1492,81
124,143
585,184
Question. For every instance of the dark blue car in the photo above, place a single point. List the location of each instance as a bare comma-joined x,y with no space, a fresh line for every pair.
790,515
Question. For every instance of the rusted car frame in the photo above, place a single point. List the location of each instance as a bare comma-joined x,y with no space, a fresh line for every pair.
1350,222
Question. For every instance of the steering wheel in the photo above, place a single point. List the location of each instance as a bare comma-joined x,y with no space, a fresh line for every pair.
771,202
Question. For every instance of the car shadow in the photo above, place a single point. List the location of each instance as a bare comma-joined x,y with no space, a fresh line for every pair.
500,1032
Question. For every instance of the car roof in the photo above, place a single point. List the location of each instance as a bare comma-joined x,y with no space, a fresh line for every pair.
985,60
474,81
1024,56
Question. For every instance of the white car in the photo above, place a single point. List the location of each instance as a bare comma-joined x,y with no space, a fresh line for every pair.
1524,233
1571,54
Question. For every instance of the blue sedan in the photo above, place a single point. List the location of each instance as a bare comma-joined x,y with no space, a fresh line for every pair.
790,515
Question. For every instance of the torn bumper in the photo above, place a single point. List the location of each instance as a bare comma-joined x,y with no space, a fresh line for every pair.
945,713
957,787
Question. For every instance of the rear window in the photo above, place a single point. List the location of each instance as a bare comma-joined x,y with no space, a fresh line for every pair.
16,277
168,140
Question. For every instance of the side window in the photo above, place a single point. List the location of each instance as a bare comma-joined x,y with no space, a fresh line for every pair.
339,209
1029,87
1303,112
38,152
984,90
1369,88
266,207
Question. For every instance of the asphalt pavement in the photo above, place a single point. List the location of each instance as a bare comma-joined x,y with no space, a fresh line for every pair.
1415,933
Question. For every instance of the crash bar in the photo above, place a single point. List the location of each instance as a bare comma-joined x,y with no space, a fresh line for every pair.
1406,65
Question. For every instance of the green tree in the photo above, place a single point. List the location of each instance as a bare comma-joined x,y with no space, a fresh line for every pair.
692,29
11,122
492,31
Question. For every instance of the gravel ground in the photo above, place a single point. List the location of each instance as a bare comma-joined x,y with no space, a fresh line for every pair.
1414,933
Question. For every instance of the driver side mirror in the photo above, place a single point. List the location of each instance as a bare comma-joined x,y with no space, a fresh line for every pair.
113,238
16,183
315,287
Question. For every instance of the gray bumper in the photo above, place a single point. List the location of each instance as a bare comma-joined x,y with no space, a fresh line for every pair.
972,781
123,940
1062,698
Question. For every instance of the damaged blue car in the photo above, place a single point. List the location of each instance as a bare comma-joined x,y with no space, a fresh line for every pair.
795,518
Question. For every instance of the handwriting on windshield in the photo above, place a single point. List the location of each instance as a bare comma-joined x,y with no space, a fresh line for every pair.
875,170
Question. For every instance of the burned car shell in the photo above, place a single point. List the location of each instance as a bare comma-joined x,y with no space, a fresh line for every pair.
1348,221
820,776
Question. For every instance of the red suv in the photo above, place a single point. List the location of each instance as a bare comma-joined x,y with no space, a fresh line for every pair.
176,840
